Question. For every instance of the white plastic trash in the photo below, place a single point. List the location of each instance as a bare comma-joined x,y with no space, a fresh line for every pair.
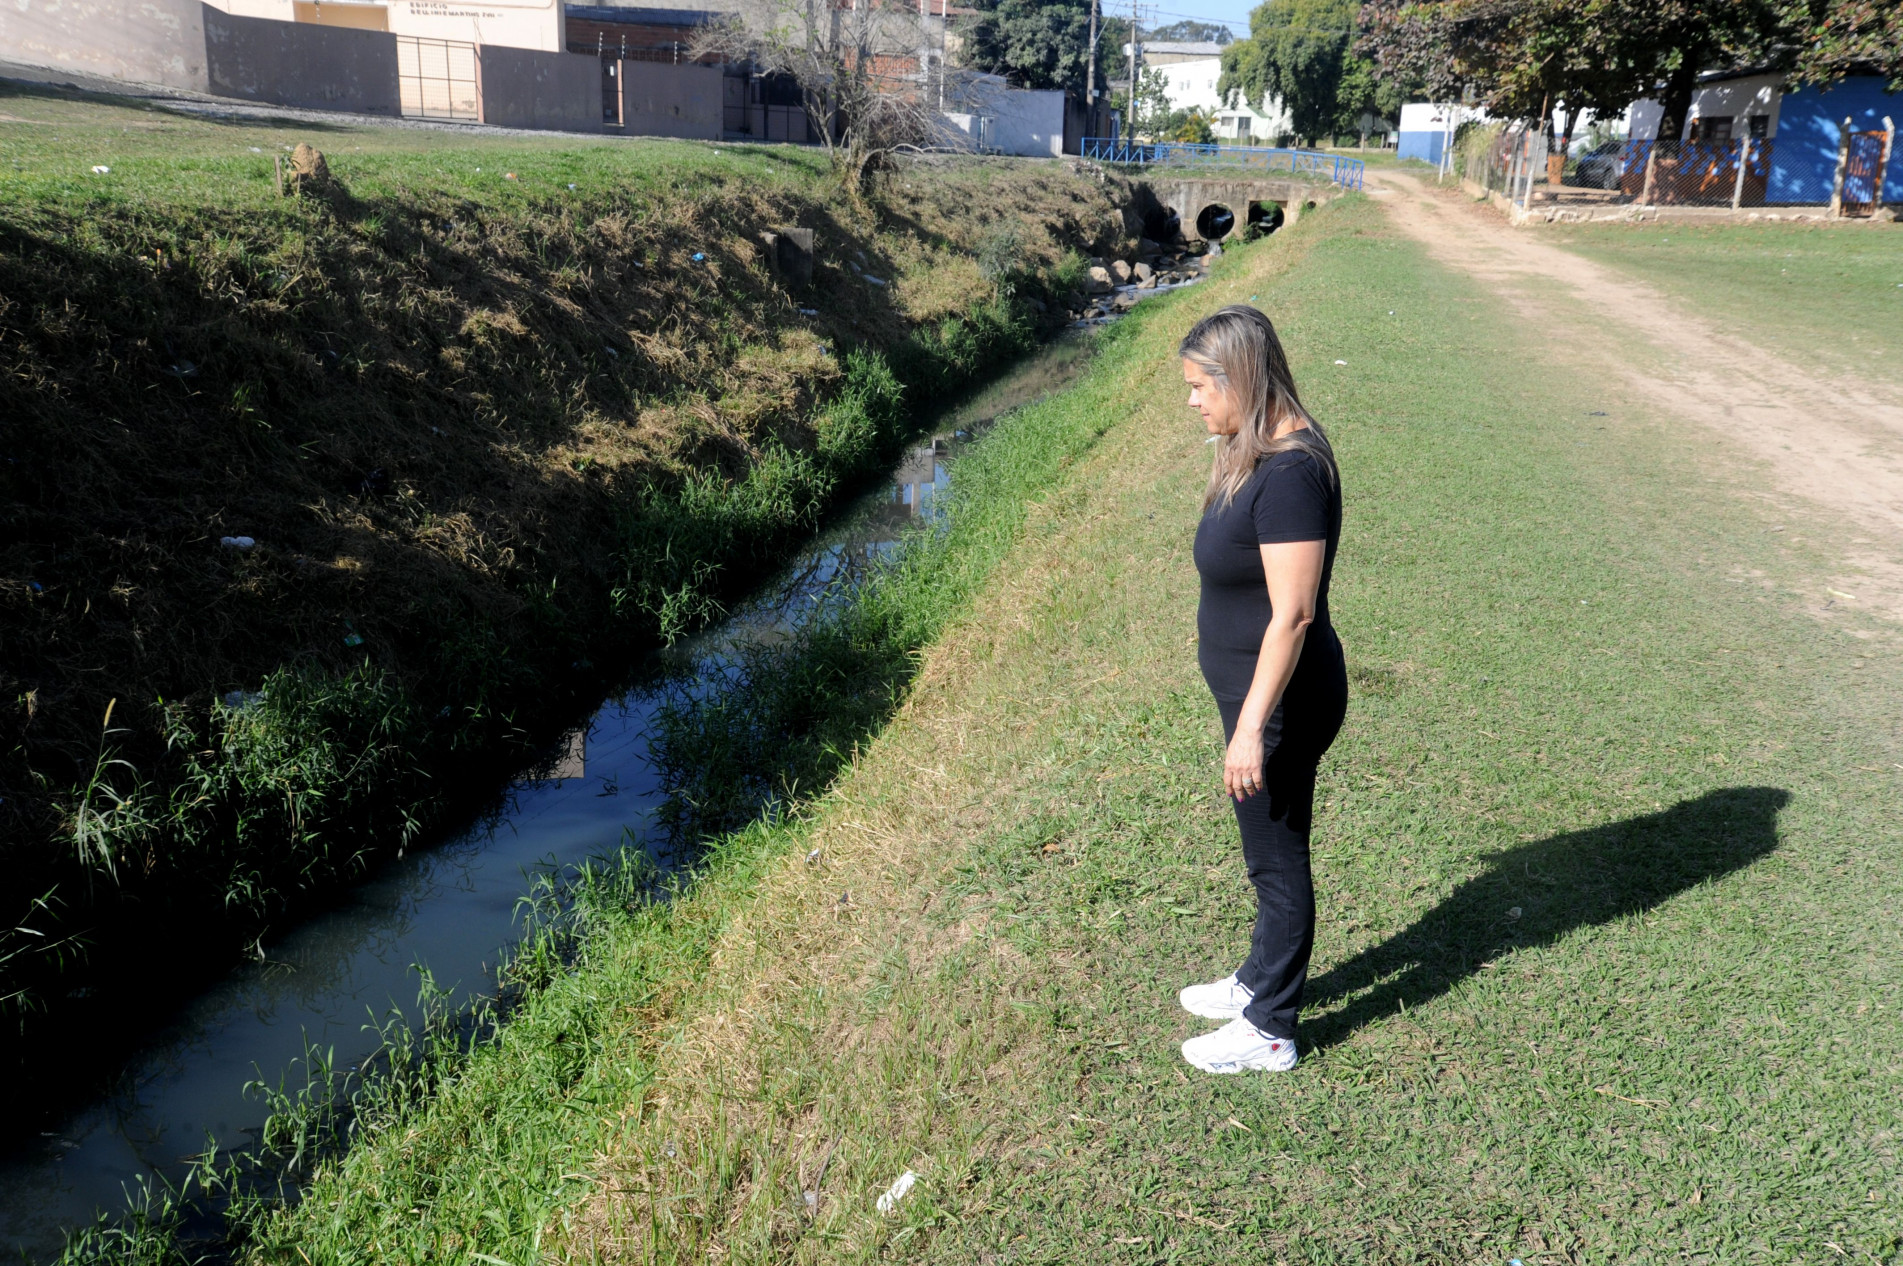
101,171
902,1187
237,542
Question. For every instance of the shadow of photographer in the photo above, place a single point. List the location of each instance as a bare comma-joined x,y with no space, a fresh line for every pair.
1556,885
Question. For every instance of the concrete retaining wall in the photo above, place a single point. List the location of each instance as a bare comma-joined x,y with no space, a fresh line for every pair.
560,92
145,41
666,100
301,64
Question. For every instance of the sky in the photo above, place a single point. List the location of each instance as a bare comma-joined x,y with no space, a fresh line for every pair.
1235,13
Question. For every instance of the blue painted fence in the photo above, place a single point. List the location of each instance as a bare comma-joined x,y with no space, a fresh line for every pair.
1339,168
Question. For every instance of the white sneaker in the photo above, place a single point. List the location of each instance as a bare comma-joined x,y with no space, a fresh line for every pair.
1239,1046
1219,1000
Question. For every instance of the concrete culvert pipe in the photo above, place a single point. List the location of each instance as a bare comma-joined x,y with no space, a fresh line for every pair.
1213,223
1265,217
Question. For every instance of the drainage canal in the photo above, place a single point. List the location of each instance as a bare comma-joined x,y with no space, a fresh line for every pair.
448,908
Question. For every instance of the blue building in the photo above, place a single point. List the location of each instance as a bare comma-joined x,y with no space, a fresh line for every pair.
1809,129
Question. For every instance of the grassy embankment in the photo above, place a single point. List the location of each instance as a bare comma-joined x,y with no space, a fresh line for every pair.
1608,862
1827,297
497,412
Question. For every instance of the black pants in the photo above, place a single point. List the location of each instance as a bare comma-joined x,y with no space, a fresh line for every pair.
1275,823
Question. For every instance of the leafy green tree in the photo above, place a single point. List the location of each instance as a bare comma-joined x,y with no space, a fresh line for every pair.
1848,37
1043,43
1518,57
1190,31
1303,53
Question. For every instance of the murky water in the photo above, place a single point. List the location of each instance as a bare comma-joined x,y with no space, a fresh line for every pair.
449,907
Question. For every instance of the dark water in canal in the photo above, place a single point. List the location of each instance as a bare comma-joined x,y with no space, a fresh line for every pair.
449,908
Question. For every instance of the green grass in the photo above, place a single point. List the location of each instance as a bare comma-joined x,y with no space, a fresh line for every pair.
1607,858
493,1156
1607,861
1831,298
51,139
499,414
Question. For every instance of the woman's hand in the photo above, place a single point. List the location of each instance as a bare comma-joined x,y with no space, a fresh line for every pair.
1242,767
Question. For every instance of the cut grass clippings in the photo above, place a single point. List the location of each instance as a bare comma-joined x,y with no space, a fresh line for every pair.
1607,968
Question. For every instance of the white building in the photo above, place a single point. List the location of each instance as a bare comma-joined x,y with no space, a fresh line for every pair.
995,118
1723,109
1189,71
1265,122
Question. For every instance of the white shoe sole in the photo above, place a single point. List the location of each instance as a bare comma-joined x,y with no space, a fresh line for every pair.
1272,1064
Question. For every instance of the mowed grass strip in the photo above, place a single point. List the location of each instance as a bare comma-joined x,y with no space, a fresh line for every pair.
1827,297
1608,957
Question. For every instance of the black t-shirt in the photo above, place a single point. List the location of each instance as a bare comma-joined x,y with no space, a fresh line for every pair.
1288,498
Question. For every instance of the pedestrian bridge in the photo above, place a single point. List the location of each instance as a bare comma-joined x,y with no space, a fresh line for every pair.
1218,190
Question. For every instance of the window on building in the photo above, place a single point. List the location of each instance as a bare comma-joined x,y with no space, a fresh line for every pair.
1760,125
1242,125
1714,129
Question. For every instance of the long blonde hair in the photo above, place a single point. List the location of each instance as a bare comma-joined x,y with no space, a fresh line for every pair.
1236,346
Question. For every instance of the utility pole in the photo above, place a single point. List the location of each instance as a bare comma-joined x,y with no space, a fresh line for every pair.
1090,67
1135,26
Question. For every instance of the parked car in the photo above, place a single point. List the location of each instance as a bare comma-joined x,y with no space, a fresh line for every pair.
1598,168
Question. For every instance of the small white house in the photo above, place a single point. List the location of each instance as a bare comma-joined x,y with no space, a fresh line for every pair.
1265,122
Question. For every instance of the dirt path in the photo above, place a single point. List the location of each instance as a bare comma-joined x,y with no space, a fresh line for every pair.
1830,441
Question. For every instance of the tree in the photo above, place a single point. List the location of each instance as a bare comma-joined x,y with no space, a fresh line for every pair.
1303,53
858,72
1190,31
1519,57
1042,43
1849,37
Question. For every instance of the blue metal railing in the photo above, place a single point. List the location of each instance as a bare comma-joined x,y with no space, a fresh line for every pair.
1339,168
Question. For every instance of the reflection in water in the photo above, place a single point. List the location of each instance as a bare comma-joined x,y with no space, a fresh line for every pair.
451,907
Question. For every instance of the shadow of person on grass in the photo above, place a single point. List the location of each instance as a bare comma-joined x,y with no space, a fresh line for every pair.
1555,885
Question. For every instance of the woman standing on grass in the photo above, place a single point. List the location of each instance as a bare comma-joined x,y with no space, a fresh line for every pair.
1265,548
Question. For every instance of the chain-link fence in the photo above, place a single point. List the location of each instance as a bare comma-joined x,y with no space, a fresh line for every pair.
1677,173
1506,160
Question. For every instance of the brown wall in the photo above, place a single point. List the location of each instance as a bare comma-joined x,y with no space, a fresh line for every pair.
665,100
299,64
522,87
150,42
584,35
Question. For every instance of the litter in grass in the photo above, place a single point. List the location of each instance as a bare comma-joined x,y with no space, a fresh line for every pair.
239,700
809,311
101,171
889,1202
812,858
1341,362
238,542
1513,912
1841,594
